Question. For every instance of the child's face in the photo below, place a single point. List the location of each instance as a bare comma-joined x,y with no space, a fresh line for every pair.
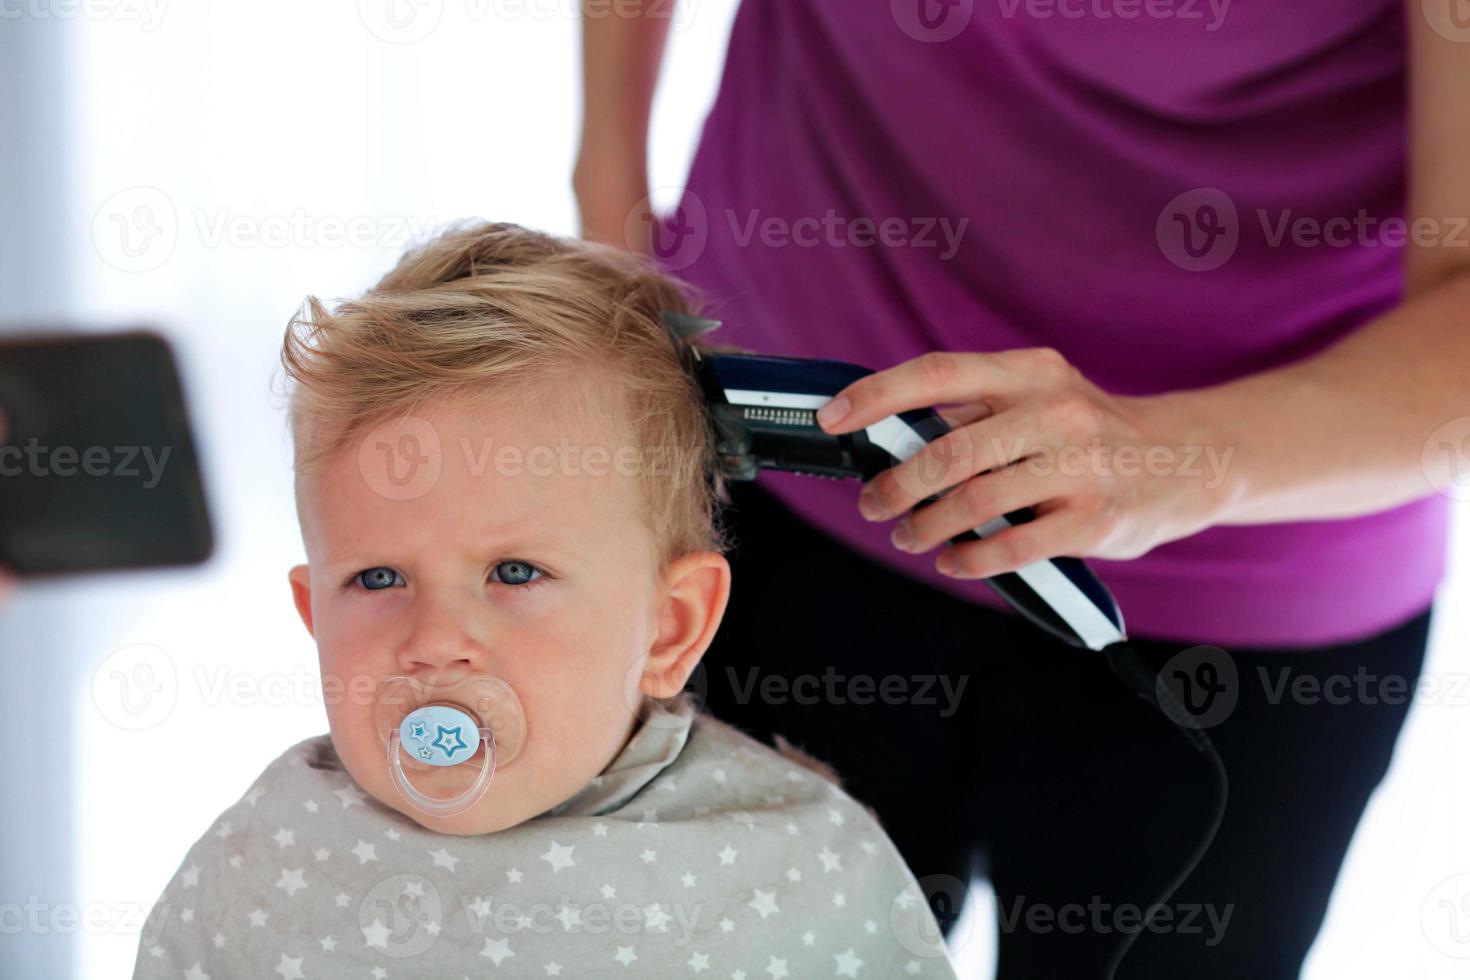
538,572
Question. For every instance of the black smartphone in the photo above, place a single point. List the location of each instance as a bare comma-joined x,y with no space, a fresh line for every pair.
98,468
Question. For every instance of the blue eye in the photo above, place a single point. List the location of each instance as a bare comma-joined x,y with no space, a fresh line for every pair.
377,579
516,573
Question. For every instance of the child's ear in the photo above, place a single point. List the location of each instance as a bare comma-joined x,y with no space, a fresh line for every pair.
301,591
697,587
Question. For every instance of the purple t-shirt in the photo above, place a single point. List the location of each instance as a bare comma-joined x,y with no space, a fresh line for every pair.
1173,193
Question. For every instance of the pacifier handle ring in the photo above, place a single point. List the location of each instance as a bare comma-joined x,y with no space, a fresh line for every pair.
433,805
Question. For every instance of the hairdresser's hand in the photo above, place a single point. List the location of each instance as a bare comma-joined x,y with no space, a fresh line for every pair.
1107,476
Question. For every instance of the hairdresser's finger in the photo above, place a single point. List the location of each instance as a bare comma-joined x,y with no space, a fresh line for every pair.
940,376
942,464
1060,529
977,501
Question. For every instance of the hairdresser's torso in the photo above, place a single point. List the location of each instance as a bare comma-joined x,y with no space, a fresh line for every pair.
1171,193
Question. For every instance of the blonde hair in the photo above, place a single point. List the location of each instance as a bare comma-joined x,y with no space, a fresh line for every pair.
488,310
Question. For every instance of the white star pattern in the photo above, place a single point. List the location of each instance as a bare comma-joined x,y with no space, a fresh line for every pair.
289,968
292,881
848,963
764,903
690,820
350,796
497,950
655,919
559,857
376,934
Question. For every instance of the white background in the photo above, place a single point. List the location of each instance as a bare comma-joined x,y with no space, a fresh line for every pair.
212,125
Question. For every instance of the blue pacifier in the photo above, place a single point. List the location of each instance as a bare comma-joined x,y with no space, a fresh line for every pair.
442,727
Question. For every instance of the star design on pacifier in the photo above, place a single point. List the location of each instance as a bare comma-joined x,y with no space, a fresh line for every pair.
418,730
446,748
425,752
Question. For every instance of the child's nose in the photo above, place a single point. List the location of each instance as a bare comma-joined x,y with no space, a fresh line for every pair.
443,641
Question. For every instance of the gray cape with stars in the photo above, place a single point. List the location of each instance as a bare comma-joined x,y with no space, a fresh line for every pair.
698,852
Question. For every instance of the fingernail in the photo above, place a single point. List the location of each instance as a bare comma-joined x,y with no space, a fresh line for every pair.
834,411
946,564
903,537
868,504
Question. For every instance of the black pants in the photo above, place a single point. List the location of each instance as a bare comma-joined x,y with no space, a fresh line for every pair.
987,747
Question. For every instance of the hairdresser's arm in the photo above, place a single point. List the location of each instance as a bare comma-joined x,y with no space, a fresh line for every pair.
622,46
1352,430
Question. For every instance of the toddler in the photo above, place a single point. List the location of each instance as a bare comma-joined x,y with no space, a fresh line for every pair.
507,495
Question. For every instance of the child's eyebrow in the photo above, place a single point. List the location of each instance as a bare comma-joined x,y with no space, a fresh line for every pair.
529,547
